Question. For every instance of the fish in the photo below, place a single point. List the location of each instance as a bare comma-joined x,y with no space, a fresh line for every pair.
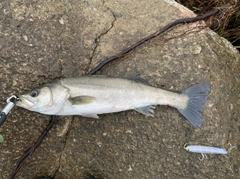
90,96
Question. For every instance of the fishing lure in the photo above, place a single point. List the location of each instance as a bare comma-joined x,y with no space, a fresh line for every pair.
207,150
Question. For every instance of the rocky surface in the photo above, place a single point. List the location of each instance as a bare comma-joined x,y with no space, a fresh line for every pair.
45,40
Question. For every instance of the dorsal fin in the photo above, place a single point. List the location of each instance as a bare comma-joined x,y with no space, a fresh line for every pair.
138,78
103,76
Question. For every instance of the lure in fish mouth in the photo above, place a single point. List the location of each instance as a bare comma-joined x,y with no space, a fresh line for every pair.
92,95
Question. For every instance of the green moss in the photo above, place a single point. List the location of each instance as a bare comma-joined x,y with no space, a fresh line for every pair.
1,139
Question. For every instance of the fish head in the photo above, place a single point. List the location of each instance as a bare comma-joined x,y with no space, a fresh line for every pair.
48,99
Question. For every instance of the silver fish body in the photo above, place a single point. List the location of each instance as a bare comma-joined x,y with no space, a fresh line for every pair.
92,95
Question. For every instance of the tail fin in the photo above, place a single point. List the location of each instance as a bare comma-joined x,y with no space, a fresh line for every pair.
197,96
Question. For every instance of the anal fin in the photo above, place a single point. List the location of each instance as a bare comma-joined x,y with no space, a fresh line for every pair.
146,110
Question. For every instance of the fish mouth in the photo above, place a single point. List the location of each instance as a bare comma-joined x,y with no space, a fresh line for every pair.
24,102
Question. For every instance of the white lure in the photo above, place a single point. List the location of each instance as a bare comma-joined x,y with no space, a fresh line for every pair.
207,150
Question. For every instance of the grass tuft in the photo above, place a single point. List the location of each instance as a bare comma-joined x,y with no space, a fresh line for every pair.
226,24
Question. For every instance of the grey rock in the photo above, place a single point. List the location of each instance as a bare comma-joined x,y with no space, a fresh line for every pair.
45,40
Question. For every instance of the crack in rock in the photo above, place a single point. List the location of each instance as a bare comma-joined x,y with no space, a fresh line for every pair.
97,40
66,131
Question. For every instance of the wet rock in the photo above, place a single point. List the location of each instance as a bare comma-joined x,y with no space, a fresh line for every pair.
42,41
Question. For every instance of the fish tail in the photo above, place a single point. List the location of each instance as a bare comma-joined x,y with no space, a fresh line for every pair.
197,96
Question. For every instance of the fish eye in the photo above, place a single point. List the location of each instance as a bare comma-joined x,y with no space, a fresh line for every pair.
34,94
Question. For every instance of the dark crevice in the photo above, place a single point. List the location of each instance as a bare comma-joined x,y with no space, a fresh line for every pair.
63,149
97,40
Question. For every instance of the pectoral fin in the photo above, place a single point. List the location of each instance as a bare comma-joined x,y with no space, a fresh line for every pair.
80,100
146,110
